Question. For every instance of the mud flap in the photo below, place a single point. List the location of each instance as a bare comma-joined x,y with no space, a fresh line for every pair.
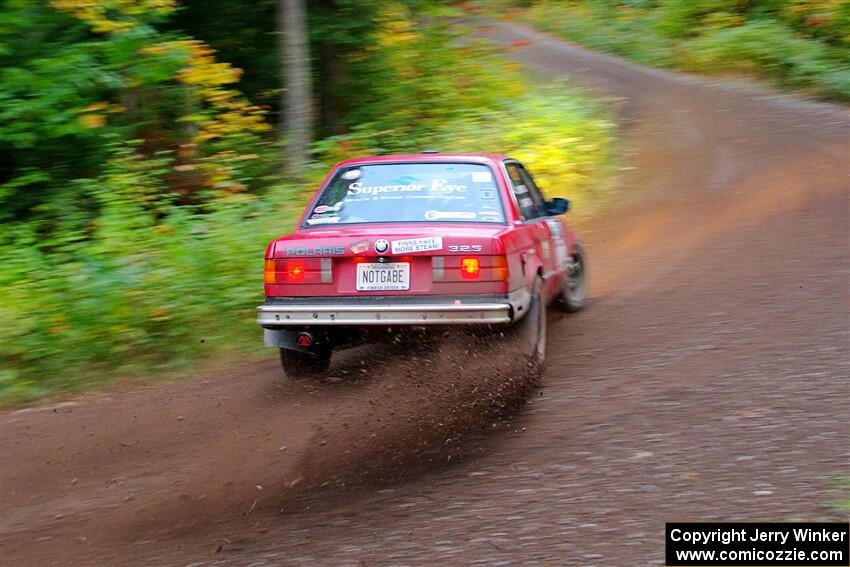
281,338
528,335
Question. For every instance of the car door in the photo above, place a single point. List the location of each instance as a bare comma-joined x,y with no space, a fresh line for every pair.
532,208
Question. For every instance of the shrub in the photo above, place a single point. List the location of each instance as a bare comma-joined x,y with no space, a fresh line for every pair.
799,43
769,49
143,287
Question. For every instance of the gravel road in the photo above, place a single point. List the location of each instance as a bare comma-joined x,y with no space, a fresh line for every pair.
707,380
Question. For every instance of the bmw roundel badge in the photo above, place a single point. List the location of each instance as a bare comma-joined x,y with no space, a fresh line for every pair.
381,246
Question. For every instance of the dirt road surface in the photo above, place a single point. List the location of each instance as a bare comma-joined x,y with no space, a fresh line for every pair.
707,380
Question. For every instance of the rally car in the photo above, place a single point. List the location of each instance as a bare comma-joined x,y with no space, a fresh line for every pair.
417,241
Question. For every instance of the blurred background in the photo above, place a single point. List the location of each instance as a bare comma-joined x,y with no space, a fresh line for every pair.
149,149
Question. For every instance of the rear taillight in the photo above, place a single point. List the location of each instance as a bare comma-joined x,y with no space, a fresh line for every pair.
298,271
269,272
469,268
295,271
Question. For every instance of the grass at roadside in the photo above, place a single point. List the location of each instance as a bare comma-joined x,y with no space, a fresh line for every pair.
839,486
800,45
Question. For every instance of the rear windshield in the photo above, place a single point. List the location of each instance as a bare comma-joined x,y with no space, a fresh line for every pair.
409,192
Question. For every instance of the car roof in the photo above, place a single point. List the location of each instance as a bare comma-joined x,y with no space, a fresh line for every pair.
426,157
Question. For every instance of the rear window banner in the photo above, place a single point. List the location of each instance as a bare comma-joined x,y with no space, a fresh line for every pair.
410,192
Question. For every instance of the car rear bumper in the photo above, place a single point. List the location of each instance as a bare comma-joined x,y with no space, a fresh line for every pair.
280,312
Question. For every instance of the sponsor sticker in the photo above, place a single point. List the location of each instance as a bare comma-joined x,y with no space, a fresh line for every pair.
322,209
449,215
359,247
557,231
314,250
351,174
323,220
417,245
556,228
481,177
487,195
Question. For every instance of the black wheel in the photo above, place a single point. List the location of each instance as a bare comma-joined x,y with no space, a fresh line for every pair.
297,364
574,292
531,330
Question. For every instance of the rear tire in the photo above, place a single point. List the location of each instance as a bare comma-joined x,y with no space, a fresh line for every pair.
297,364
574,292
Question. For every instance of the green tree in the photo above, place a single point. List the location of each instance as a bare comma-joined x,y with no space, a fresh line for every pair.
93,73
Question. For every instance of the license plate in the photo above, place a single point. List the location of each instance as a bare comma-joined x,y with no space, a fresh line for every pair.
394,276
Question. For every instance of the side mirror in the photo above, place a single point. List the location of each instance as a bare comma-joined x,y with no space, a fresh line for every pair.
557,206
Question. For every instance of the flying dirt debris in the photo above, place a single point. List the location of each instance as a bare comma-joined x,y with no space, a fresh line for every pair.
420,410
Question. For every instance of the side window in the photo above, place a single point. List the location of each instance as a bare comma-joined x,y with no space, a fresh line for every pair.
536,195
521,186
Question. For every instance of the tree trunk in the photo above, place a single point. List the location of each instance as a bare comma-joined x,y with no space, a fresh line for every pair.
331,81
296,122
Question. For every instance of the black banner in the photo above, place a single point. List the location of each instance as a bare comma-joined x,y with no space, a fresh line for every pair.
758,544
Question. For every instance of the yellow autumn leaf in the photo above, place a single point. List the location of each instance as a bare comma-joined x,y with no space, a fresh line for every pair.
95,106
93,120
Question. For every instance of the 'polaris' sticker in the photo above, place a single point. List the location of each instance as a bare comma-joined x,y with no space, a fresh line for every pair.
417,245
314,250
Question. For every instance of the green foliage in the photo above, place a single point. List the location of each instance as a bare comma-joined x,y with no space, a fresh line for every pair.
127,173
147,285
681,18
139,196
797,43
624,30
91,72
438,91
826,20
770,49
